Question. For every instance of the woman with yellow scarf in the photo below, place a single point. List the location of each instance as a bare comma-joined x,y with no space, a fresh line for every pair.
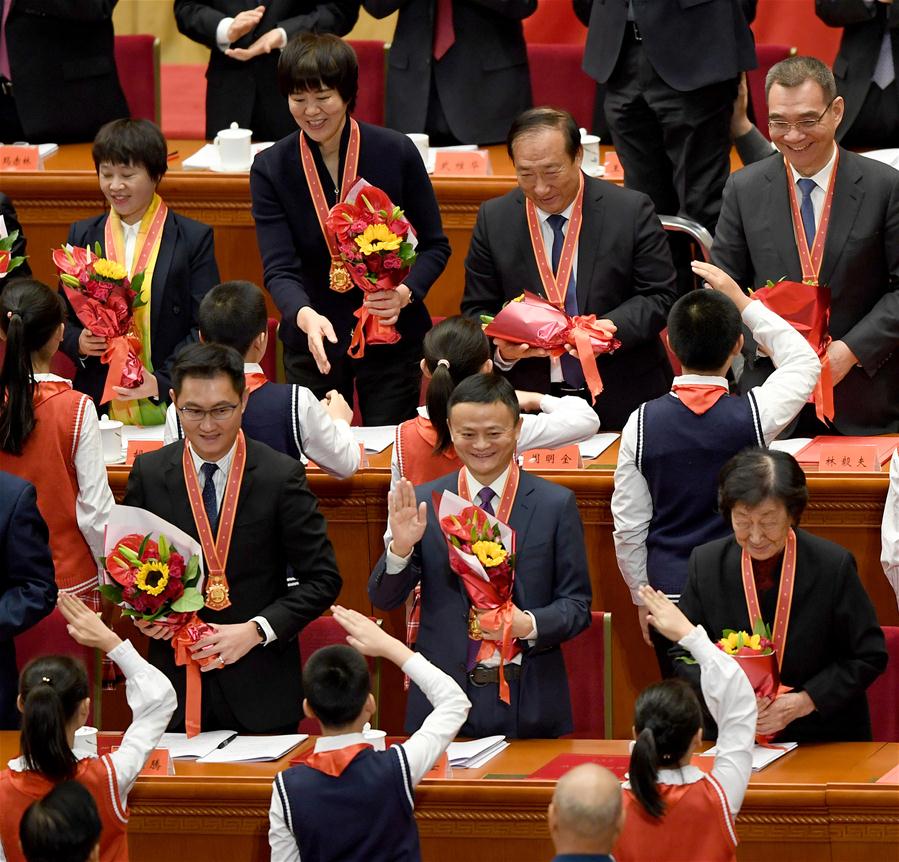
175,253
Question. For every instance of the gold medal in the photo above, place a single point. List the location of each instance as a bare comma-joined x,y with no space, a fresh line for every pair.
340,280
217,598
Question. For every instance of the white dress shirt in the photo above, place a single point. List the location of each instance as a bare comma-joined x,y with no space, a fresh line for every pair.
731,701
326,441
890,528
560,422
555,367
152,701
778,399
421,749
130,232
822,182
94,500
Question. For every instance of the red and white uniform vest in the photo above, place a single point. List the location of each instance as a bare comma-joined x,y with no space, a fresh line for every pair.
415,440
697,824
19,789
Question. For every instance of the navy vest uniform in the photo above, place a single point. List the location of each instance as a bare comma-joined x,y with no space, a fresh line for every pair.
680,455
366,813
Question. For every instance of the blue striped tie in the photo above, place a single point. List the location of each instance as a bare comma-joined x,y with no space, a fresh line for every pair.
210,503
571,367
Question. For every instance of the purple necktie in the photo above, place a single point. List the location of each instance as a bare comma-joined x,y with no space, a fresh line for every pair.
486,495
807,209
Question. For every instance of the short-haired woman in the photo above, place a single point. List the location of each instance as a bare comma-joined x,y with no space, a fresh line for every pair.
140,232
806,589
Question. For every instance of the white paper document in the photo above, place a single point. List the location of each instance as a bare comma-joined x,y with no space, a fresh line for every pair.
762,755
594,446
475,752
375,438
207,157
180,747
254,749
792,446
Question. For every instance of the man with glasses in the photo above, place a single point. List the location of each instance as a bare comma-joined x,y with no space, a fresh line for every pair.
821,213
621,268
269,564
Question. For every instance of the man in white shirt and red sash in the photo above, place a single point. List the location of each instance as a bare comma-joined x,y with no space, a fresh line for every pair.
826,215
252,511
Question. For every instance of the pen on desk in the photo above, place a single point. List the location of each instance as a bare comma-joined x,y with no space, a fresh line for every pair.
173,155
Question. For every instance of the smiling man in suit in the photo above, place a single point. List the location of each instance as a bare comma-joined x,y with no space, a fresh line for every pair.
278,574
621,270
843,208
552,591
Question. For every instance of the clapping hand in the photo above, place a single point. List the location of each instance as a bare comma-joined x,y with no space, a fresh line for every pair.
665,616
244,22
407,520
265,44
85,626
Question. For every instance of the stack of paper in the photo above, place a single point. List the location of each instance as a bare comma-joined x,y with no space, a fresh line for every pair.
594,446
375,438
762,755
182,748
791,446
254,749
475,752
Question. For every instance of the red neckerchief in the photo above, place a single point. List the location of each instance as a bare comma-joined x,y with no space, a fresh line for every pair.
699,397
334,762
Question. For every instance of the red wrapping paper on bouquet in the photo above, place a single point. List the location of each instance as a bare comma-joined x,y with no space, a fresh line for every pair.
806,307
764,676
482,553
106,309
534,321
377,245
186,636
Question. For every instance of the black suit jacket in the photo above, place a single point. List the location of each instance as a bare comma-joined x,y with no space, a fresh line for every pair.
235,89
277,525
690,43
865,24
185,271
551,581
834,648
294,253
483,80
63,68
624,273
27,581
754,243
11,220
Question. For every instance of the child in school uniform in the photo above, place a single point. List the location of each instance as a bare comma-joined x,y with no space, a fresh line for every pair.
285,416
668,802
348,801
666,482
54,701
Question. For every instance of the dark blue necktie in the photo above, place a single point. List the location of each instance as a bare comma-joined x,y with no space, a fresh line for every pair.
210,504
486,495
806,210
571,367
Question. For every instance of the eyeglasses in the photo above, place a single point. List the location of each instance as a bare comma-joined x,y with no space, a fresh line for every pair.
779,127
217,414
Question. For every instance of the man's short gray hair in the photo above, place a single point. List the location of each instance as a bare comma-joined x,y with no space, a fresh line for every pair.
797,70
587,802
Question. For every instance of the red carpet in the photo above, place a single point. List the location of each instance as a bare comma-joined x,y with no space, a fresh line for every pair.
183,100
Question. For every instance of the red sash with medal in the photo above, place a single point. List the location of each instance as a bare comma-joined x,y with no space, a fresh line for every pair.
510,489
215,551
339,279
810,261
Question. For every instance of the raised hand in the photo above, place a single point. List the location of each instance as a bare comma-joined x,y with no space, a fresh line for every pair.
406,518
665,616
84,625
368,637
719,280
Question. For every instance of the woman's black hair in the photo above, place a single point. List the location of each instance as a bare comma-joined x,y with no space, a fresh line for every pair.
30,312
454,349
139,143
64,826
754,475
666,718
313,61
52,688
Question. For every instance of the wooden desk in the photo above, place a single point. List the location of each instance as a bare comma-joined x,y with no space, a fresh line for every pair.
845,508
816,803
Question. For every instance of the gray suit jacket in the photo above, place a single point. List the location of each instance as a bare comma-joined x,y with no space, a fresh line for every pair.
754,243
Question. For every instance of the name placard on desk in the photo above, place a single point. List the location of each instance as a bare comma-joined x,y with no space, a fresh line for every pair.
462,163
19,158
846,458
563,458
140,447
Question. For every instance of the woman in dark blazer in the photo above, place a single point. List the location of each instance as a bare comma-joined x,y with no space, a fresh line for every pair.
131,158
834,648
318,75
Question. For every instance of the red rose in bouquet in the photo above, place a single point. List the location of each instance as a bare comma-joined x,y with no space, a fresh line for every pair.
532,320
377,245
104,300
7,262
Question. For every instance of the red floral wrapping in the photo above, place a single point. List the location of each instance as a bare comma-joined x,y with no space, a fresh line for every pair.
106,310
538,323
764,677
185,638
806,307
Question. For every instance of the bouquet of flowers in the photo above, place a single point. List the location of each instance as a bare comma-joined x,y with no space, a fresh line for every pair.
482,554
154,572
377,245
530,319
7,262
806,307
104,300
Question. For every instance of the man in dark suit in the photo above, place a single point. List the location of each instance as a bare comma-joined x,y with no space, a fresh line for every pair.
551,593
457,71
756,242
280,571
58,76
245,42
623,270
11,223
670,70
866,70
27,581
